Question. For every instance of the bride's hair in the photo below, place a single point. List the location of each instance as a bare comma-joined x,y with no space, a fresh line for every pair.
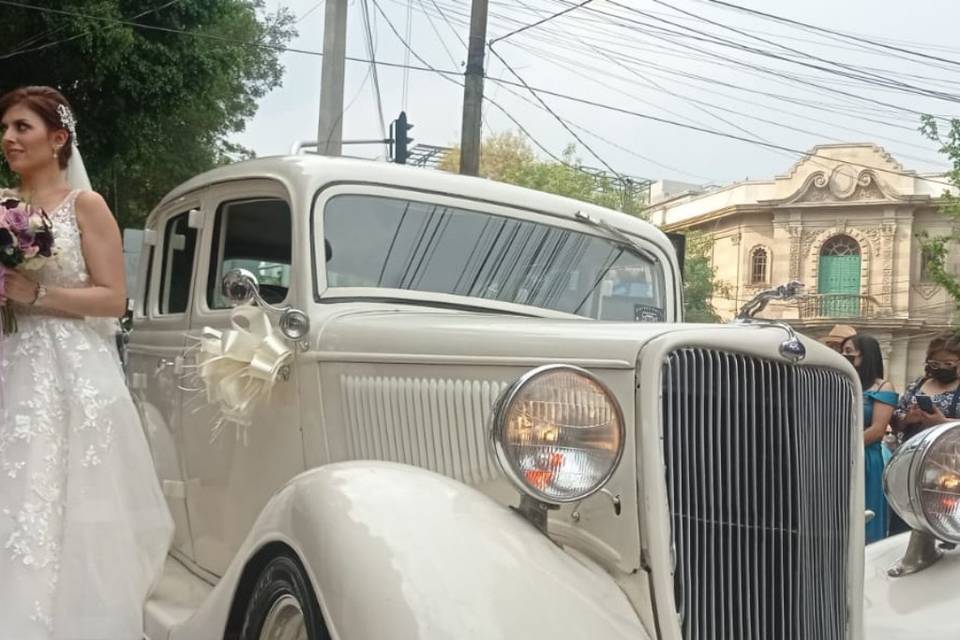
49,104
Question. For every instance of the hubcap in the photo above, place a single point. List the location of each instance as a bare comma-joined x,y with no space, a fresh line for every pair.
284,621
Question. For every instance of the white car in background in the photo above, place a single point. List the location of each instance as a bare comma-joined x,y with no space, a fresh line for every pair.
493,424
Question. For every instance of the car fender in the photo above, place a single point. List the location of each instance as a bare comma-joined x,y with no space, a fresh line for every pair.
397,551
919,606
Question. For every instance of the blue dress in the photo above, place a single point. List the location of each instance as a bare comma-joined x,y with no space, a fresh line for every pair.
873,468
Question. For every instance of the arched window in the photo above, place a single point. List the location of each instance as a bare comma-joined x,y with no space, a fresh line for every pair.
840,246
758,266
838,277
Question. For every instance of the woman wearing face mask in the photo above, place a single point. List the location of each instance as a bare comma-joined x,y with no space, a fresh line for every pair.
879,401
940,383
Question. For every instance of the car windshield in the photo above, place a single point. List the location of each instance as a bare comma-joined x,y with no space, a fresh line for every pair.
374,241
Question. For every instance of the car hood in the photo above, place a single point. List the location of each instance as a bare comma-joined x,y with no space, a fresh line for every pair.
416,335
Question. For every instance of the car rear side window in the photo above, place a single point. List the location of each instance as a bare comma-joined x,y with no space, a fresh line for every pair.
179,247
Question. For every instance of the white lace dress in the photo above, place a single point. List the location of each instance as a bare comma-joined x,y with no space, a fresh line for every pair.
84,527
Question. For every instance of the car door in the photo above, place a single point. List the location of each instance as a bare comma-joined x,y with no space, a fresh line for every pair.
233,470
157,342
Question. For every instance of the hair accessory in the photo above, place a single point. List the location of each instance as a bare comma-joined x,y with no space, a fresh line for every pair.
68,121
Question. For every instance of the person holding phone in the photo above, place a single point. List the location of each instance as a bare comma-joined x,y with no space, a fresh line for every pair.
931,399
879,401
934,397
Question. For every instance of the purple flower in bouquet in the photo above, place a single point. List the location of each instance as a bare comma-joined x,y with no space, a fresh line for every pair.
26,242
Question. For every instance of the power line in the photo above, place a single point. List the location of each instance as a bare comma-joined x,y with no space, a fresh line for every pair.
372,52
306,14
555,59
510,116
436,32
622,57
553,113
427,67
644,116
658,33
894,83
840,34
539,22
19,50
406,56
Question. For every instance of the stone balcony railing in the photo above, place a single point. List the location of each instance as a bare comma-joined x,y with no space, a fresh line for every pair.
837,305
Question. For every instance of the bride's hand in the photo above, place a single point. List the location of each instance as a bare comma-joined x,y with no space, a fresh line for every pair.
19,287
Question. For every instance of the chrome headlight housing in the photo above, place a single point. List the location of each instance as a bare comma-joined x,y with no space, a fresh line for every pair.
922,482
558,433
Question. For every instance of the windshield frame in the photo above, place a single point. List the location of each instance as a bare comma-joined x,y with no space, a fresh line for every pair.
322,293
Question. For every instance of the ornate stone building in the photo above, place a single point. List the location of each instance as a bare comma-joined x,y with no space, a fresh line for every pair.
844,221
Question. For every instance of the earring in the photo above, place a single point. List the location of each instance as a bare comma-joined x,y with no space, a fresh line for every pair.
56,152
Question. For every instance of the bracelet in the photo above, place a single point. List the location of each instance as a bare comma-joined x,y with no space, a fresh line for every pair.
36,294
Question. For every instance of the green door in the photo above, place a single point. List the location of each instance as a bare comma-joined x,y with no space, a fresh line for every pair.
839,278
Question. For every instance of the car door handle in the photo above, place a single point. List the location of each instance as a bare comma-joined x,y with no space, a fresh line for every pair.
169,363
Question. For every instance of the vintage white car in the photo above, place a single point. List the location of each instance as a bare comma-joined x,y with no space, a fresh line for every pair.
482,417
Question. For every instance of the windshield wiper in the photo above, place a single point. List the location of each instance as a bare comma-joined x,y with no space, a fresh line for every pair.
616,234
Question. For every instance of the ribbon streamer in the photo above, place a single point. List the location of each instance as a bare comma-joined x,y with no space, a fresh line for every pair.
239,366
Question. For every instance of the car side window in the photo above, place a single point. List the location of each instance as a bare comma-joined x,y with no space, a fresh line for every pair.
253,234
179,247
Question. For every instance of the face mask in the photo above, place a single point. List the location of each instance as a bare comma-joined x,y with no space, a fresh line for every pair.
945,376
850,358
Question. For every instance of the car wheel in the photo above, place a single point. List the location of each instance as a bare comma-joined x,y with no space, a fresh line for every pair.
283,605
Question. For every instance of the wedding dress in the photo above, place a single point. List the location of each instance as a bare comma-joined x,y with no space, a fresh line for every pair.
84,527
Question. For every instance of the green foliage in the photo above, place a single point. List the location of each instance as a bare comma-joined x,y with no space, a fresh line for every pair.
936,248
153,107
699,280
507,157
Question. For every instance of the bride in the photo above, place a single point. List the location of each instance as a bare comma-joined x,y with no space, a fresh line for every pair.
84,528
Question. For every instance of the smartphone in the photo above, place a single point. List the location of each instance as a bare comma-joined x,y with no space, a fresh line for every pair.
925,403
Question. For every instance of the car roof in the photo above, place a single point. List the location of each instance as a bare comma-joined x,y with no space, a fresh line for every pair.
317,171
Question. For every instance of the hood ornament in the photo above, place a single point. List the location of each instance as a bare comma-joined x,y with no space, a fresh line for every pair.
759,302
792,348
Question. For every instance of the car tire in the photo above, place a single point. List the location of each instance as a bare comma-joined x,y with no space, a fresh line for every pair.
283,605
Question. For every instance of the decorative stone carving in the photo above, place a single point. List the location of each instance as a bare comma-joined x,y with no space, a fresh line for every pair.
888,232
926,290
796,253
844,183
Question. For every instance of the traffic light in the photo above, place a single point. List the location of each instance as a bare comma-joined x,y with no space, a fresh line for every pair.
399,140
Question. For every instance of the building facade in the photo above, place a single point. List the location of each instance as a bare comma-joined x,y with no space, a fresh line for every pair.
845,221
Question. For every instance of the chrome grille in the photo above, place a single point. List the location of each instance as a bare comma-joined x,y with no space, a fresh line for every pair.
758,458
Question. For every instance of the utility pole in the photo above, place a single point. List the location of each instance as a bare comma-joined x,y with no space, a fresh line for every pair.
473,91
330,125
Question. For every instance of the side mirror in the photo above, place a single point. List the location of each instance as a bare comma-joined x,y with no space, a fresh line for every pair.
679,242
240,286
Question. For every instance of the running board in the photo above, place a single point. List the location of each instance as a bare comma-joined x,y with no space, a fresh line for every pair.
177,597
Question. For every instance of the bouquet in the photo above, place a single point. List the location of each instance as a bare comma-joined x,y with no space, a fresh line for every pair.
26,242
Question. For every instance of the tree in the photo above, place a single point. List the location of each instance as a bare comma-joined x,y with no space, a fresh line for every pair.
699,283
506,157
153,106
936,248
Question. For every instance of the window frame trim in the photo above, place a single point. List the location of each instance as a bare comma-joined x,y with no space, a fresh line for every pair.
217,194
221,243
324,294
152,311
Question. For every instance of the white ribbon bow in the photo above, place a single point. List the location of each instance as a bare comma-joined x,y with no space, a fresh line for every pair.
239,366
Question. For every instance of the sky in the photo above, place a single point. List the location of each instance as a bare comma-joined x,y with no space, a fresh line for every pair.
695,63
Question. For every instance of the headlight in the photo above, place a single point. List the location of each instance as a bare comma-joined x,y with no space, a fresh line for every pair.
558,433
922,482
